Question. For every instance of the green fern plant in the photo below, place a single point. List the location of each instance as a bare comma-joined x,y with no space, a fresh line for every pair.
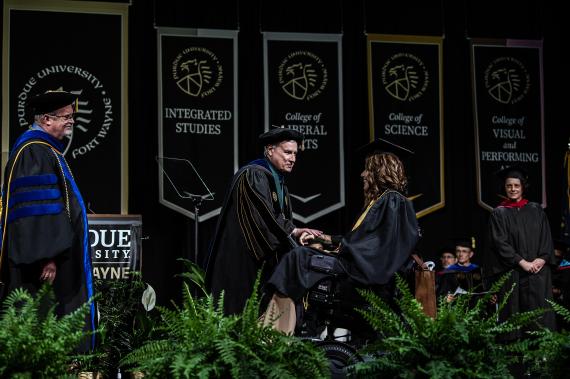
123,322
548,355
460,343
198,341
34,342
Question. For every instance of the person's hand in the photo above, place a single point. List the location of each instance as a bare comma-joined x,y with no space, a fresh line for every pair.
537,265
327,238
48,272
525,265
298,232
305,238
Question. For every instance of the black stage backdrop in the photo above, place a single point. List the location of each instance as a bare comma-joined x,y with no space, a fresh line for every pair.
82,51
166,231
406,108
509,128
198,118
303,91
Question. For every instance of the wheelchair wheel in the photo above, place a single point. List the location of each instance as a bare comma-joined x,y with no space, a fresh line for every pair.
340,356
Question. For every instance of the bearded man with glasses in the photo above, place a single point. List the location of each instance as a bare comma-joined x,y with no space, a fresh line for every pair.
45,235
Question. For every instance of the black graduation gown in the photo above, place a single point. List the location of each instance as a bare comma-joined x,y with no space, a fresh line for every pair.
370,254
469,280
515,234
252,232
43,218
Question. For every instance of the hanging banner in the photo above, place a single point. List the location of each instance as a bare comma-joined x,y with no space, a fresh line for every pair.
83,51
303,91
197,129
406,107
509,121
116,248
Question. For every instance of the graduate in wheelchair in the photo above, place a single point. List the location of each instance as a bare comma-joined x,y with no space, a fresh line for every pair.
327,270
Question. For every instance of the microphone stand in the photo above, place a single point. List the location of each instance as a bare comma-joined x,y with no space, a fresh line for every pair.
196,203
196,199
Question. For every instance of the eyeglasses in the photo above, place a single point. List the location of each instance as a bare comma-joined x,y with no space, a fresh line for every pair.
447,256
65,117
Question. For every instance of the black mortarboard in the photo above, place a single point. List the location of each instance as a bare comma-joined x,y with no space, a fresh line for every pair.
50,101
380,145
516,172
465,242
280,134
446,249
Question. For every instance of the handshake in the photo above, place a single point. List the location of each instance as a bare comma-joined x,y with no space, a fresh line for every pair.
322,243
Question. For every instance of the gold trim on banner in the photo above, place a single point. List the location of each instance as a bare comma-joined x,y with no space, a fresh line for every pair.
431,40
504,43
120,9
194,36
311,38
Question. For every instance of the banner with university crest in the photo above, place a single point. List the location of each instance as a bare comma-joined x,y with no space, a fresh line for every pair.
303,91
198,125
83,51
406,108
508,110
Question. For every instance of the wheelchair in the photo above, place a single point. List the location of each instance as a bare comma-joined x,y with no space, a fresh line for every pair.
329,317
327,309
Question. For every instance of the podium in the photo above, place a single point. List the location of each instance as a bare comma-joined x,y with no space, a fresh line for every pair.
116,248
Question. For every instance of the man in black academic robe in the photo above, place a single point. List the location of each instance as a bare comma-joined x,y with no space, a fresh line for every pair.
43,220
255,225
520,240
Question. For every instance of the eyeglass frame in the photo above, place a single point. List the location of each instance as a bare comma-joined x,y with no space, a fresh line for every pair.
65,117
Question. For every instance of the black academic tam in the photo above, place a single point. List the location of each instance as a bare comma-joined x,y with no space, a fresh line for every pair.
51,101
380,145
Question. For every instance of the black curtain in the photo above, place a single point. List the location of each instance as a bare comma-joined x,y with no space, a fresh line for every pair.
170,235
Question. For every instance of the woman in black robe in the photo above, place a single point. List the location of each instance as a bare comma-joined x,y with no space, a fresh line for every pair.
520,240
378,245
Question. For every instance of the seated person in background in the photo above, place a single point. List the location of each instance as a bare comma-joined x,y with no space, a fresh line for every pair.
379,243
447,258
463,276
464,252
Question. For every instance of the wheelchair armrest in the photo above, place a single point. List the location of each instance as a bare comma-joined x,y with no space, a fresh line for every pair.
324,263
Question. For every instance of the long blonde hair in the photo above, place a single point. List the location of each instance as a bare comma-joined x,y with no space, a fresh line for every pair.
385,171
